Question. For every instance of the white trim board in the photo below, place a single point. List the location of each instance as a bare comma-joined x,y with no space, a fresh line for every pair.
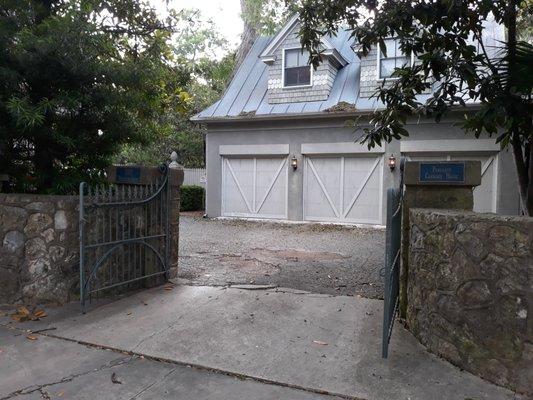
378,65
280,37
449,146
311,72
268,57
253,149
339,148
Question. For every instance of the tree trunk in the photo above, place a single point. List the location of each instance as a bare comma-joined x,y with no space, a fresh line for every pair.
523,156
44,166
249,33
523,152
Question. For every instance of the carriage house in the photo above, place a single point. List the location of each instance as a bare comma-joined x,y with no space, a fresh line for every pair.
279,147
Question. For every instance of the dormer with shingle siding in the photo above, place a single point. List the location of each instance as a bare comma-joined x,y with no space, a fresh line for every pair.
377,68
290,77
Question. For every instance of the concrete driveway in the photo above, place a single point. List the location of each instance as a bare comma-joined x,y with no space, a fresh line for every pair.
327,259
238,344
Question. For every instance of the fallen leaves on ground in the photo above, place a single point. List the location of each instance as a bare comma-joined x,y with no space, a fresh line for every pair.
115,379
31,337
24,314
320,342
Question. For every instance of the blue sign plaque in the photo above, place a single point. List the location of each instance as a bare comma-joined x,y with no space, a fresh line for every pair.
128,175
442,172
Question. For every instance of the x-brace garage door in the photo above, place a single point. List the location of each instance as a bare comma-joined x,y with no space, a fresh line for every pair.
343,189
254,187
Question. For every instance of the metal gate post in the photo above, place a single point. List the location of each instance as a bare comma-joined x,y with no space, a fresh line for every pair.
392,260
82,251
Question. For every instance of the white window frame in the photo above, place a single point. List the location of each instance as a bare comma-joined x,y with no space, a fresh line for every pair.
378,63
283,71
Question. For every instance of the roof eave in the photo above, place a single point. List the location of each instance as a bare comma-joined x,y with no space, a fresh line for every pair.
313,115
289,116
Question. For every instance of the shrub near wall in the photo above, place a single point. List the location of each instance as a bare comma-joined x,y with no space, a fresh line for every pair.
192,198
470,292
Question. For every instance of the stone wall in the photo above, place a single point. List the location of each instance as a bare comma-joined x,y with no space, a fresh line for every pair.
470,294
38,248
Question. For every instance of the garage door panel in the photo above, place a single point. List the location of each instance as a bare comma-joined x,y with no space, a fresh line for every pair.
255,187
350,189
316,202
239,184
361,188
233,196
366,206
326,171
271,187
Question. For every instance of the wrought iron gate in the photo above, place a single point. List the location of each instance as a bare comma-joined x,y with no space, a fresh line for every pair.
124,235
391,271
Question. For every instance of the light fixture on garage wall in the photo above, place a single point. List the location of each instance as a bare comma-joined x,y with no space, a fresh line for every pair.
392,162
294,163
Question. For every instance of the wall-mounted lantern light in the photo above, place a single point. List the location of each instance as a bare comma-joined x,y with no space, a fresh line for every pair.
294,163
392,162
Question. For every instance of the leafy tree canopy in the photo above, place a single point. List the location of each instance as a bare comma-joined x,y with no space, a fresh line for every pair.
198,47
446,39
266,16
79,78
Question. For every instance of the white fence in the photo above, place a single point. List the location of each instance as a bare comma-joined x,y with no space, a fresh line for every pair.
194,176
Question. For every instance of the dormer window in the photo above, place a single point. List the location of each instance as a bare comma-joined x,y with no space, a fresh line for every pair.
393,59
296,68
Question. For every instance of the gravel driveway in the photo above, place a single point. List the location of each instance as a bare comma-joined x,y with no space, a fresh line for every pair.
317,258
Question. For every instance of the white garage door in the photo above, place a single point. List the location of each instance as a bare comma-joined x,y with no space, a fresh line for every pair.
254,187
484,194
343,189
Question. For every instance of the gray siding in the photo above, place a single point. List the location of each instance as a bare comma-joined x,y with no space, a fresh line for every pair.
322,82
369,82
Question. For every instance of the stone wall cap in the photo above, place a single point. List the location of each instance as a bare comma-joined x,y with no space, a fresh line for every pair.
144,176
471,215
461,173
35,197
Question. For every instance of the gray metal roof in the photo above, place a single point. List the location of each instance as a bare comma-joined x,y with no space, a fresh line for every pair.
247,91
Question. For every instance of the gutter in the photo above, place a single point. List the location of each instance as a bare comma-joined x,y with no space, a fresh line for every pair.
299,116
279,117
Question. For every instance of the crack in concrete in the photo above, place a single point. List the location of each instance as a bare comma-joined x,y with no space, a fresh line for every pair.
134,355
44,394
149,386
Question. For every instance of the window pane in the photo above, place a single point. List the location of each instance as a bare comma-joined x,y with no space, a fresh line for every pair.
386,68
291,58
304,76
402,61
397,50
291,76
390,45
303,58
297,76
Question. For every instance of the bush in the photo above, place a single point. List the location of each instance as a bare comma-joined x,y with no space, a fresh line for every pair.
192,198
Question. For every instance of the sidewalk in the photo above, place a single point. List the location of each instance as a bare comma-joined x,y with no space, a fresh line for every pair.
317,343
50,368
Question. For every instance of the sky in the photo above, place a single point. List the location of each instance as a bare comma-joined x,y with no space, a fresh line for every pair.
225,13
